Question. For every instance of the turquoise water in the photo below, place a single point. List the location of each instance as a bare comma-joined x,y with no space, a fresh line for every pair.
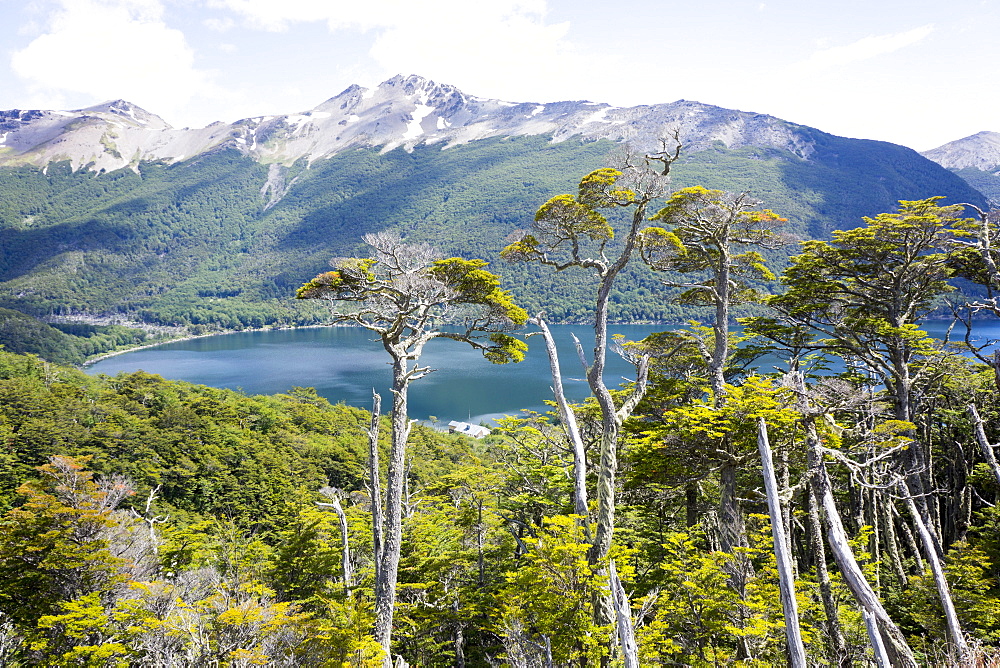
344,364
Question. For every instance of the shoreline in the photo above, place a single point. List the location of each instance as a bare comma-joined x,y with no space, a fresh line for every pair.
190,337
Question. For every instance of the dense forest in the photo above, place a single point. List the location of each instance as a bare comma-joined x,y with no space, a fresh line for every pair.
221,242
838,509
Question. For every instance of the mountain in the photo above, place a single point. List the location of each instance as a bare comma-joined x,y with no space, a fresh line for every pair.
109,210
976,159
403,111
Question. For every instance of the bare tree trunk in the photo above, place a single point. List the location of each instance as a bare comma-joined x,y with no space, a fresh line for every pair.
691,504
733,534
888,524
878,647
786,579
611,417
623,617
869,509
944,591
459,638
385,585
911,542
568,418
375,483
900,654
837,653
786,511
345,560
732,530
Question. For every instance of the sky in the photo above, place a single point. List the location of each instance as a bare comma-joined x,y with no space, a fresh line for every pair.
918,73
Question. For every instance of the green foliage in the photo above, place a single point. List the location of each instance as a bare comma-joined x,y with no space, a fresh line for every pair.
209,451
901,251
974,592
54,547
547,596
455,552
20,333
196,244
690,437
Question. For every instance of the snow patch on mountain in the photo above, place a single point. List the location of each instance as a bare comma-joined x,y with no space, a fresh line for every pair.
413,128
403,111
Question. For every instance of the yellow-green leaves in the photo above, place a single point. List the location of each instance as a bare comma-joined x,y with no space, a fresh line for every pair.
475,285
685,200
570,231
659,245
597,189
321,286
712,233
566,218
350,274
549,594
505,348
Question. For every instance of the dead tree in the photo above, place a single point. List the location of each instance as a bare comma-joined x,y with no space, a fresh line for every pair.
347,571
786,579
408,296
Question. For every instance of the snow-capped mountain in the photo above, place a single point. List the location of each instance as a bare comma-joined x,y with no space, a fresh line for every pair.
403,111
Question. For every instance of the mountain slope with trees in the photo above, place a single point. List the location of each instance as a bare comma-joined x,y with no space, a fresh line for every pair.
205,244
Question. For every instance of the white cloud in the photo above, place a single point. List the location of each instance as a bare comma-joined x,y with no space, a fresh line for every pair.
219,25
112,49
501,48
866,48
513,51
277,16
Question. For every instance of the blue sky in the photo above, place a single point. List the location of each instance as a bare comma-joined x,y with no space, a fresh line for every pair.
916,73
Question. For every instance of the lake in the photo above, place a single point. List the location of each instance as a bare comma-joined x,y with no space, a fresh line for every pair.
345,363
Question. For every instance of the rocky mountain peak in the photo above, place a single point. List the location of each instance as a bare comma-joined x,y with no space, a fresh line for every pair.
401,112
127,111
980,151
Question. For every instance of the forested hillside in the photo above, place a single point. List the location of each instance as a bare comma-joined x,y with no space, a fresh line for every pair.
696,516
221,241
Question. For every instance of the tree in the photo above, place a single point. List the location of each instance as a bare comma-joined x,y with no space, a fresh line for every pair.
407,296
57,546
861,296
712,235
571,231
975,255
864,292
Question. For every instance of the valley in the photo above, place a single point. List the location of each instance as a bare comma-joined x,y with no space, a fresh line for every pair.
818,485
214,229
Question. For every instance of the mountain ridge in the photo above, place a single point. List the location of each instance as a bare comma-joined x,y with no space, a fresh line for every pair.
400,112
976,159
979,151
110,211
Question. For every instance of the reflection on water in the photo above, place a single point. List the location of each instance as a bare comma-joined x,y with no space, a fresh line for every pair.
344,364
